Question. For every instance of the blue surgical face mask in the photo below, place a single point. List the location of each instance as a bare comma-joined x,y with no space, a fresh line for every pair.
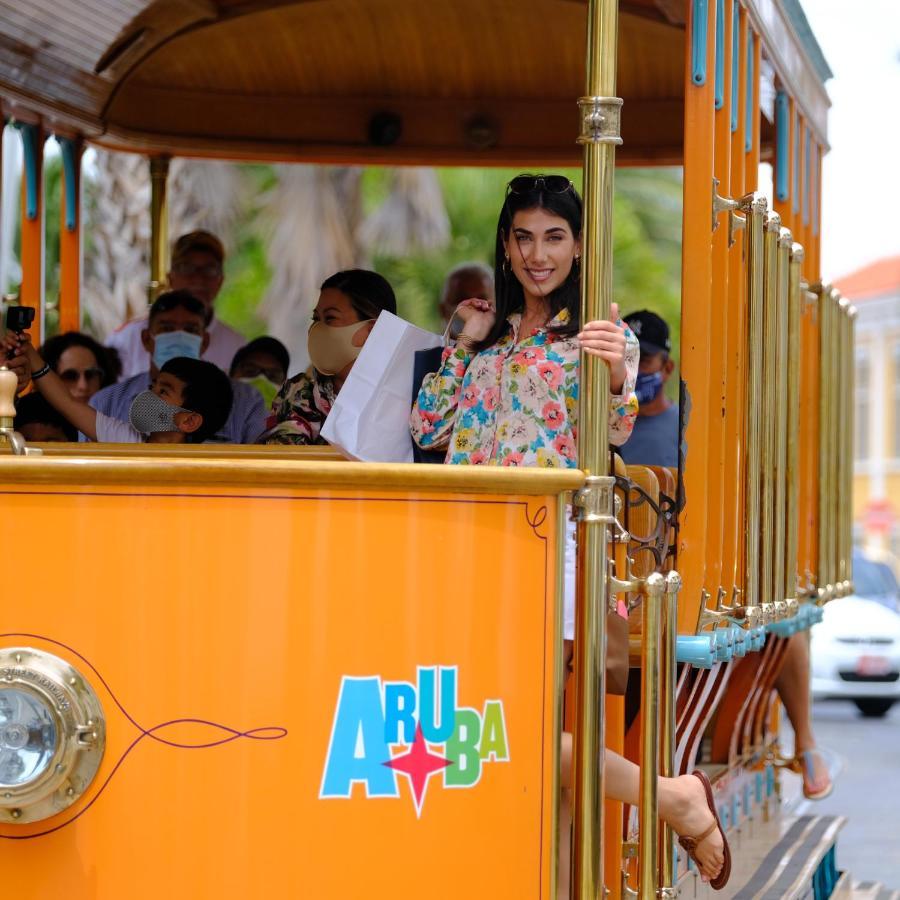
171,344
648,386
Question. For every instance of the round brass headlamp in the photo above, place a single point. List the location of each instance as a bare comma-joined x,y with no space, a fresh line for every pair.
52,734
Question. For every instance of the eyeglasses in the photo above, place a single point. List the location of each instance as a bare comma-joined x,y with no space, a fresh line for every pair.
208,271
72,376
552,184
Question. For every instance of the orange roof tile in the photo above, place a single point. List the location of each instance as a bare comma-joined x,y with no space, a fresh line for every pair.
874,280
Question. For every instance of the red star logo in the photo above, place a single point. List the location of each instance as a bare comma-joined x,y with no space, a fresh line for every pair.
418,765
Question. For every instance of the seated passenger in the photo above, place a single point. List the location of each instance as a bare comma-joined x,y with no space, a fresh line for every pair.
177,327
197,260
466,281
654,440
83,364
187,402
38,422
263,364
349,304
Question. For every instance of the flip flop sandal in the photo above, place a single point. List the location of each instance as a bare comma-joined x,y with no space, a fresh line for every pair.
690,844
804,765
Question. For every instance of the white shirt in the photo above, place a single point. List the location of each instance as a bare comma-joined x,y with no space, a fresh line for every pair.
224,342
115,431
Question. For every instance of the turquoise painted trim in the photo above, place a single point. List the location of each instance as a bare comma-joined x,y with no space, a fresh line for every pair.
796,201
748,119
735,61
698,651
782,145
70,160
31,152
801,25
720,53
700,24
806,180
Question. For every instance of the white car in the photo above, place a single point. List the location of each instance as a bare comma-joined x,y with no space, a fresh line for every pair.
856,646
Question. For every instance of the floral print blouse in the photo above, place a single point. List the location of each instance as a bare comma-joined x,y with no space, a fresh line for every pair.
299,409
516,403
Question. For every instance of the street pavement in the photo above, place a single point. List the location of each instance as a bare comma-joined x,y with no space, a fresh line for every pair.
866,755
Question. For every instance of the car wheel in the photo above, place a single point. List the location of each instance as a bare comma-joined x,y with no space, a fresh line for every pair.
874,707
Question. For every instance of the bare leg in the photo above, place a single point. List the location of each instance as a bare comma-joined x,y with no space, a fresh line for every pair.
682,803
793,689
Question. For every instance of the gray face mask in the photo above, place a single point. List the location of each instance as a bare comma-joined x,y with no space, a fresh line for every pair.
150,413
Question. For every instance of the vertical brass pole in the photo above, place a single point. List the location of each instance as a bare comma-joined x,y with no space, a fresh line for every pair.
782,362
600,114
648,811
159,225
825,363
755,208
793,432
667,680
770,394
850,428
845,487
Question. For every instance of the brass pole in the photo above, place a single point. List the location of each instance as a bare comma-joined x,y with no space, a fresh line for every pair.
793,433
600,114
159,225
845,487
667,680
782,362
755,207
770,394
648,810
850,427
825,584
834,499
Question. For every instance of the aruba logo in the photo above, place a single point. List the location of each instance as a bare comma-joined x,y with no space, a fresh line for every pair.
385,728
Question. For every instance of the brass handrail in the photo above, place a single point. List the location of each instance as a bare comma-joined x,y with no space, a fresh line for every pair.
792,514
780,425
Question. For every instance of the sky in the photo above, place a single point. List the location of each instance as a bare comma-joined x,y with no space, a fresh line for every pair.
861,173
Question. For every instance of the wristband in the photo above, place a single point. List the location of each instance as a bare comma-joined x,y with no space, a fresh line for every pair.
40,372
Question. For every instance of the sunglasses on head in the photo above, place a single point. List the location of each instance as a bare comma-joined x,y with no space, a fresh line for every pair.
526,184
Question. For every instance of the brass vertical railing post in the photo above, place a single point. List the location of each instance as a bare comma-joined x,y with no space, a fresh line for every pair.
768,412
648,808
159,225
844,422
755,207
600,114
792,472
782,362
824,588
849,431
668,676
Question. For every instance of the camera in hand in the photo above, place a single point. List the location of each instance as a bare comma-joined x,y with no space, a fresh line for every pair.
19,318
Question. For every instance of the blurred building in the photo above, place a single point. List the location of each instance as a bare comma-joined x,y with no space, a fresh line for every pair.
875,291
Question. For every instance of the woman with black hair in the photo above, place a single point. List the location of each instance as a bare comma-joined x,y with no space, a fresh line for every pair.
507,394
84,365
349,303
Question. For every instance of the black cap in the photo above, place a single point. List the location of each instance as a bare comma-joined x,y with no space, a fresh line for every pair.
651,331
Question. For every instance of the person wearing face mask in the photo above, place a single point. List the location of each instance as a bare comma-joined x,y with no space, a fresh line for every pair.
197,266
654,440
187,401
263,364
349,303
176,328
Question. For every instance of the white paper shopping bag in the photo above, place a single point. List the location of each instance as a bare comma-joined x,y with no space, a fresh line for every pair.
370,417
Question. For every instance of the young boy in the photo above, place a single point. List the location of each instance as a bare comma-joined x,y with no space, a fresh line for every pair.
188,401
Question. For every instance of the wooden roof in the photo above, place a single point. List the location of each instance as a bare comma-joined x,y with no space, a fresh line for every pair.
475,81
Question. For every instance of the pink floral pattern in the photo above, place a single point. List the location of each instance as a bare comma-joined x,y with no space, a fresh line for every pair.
516,403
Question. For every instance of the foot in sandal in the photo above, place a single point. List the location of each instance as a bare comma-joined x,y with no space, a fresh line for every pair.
684,804
816,777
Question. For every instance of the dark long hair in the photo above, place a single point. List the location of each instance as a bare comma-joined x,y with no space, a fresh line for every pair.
368,292
107,358
510,297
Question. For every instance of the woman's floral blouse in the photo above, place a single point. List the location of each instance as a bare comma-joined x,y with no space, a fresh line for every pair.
516,403
299,409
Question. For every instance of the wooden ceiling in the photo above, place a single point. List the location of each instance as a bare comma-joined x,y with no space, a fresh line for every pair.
459,81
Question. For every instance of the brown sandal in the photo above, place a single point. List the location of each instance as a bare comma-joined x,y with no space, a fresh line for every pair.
690,844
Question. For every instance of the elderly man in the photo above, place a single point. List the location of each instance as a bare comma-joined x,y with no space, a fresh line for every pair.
465,281
197,260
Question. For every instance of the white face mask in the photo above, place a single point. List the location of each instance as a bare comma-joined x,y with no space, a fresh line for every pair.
149,414
331,348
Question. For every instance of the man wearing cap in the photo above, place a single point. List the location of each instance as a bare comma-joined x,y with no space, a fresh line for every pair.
197,260
654,440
